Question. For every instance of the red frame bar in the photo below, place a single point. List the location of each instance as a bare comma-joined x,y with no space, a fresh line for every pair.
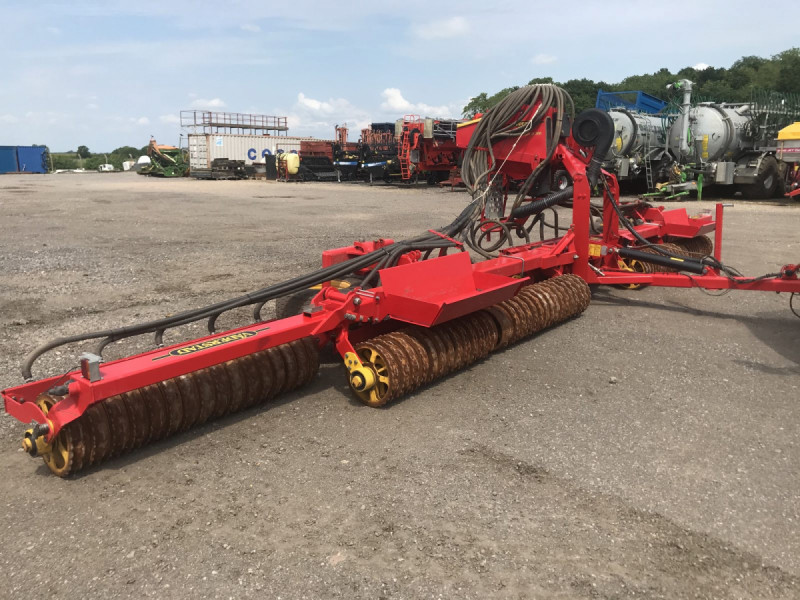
141,370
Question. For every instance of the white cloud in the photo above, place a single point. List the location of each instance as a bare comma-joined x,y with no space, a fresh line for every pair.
328,107
203,103
310,116
395,103
169,119
441,30
310,103
250,27
544,59
143,121
8,119
53,30
92,106
701,66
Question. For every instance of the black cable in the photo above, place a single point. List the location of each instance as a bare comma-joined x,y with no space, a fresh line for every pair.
285,288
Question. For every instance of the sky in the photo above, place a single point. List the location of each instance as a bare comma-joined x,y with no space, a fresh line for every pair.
113,73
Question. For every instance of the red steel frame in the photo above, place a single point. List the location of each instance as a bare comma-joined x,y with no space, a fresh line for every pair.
423,292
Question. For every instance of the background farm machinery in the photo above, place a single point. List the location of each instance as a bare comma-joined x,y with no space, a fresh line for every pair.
685,145
409,150
427,148
412,311
165,161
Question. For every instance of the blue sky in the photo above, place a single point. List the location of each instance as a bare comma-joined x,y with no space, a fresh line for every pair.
113,73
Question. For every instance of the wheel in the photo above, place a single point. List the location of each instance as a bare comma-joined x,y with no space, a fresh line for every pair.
373,359
289,306
767,180
633,266
60,458
561,180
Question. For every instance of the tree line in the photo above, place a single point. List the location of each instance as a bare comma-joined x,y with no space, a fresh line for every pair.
780,73
84,158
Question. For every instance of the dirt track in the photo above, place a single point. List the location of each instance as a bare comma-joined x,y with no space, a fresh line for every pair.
649,448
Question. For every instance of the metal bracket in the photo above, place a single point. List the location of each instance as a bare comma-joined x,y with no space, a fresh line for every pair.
90,366
517,258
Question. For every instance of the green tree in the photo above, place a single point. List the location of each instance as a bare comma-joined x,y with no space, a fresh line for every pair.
94,161
583,92
126,152
481,103
734,84
83,152
789,71
63,161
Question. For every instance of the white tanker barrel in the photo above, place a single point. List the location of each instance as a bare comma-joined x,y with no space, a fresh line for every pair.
634,132
715,132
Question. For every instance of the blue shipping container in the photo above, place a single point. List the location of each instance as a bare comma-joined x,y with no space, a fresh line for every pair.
32,159
633,100
8,159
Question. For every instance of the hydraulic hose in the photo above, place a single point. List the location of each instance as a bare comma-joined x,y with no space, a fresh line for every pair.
673,262
541,204
337,271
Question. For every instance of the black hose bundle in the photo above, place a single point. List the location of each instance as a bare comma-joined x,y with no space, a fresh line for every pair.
507,120
385,257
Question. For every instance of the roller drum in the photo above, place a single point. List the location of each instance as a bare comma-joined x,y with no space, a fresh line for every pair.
414,356
134,419
697,247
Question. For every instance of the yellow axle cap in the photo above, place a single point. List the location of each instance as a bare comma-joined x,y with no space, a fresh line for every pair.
362,378
35,446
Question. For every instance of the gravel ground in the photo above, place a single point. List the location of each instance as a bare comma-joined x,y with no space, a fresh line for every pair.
646,449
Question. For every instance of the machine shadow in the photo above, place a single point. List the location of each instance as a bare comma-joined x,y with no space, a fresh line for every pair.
121,462
770,330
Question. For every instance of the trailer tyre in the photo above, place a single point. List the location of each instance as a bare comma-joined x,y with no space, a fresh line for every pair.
561,180
294,304
767,180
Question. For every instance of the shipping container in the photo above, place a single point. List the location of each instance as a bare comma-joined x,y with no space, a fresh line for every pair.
8,159
32,159
205,147
23,159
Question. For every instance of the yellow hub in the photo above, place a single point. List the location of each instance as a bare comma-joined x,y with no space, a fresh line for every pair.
57,453
369,376
633,266
39,443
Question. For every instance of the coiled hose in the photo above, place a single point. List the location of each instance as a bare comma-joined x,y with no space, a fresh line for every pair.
508,120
